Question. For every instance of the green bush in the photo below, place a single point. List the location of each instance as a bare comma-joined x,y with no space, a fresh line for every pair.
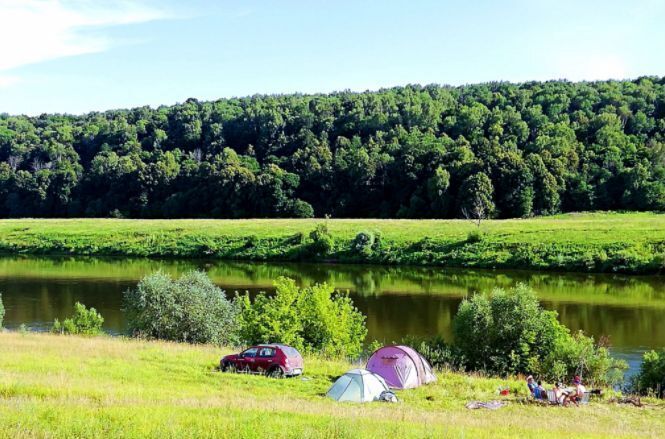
508,333
501,332
84,322
302,209
190,309
2,311
322,241
577,354
363,243
474,236
297,238
313,319
251,241
651,378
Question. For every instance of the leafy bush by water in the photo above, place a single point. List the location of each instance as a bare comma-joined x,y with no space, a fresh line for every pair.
322,241
84,322
363,243
474,236
190,309
651,378
509,333
313,319
578,354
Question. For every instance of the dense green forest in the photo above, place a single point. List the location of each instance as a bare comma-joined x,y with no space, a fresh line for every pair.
508,150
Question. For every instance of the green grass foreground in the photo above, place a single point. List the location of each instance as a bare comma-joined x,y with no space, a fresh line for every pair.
591,242
60,386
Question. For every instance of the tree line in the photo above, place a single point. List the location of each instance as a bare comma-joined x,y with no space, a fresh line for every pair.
506,150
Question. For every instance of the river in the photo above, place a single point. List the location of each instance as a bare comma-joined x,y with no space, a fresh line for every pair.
629,310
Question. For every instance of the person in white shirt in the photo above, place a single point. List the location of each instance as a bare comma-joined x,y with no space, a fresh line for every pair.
577,393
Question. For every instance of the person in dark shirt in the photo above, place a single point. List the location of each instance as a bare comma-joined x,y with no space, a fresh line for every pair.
540,392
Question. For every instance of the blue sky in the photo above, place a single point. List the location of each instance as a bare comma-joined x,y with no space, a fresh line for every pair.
81,55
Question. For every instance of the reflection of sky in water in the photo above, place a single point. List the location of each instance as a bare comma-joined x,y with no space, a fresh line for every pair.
398,301
633,356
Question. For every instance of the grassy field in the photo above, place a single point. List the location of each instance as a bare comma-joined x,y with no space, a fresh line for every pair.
55,386
594,242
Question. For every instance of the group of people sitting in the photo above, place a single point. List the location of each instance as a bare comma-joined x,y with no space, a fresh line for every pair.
561,395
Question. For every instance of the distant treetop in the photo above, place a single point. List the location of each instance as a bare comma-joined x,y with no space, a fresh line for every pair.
419,152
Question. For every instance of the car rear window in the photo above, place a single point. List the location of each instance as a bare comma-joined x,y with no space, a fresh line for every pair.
290,352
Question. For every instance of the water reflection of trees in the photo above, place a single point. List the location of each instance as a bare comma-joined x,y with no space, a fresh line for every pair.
363,280
397,300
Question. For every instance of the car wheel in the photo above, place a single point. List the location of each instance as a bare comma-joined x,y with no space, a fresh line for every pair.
227,366
276,372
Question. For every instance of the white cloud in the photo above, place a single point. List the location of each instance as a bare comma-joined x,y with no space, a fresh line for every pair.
33,31
7,80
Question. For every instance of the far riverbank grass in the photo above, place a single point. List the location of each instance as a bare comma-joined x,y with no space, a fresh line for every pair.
592,242
60,386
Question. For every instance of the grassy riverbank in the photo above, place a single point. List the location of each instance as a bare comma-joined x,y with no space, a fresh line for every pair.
597,242
58,386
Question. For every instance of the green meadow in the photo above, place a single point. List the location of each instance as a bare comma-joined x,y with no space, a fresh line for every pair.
62,387
590,242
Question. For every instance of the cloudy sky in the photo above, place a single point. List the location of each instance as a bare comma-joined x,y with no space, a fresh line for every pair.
81,55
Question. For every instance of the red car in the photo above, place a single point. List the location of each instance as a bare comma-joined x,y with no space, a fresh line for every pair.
275,360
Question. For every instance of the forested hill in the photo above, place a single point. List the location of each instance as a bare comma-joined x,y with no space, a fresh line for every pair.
513,150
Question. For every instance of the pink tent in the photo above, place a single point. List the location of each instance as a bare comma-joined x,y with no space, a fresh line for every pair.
401,367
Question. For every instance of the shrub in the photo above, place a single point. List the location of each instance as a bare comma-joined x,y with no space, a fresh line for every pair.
297,238
2,311
322,241
651,378
508,332
474,236
302,209
313,319
577,354
369,349
502,331
84,322
363,243
378,241
251,241
190,309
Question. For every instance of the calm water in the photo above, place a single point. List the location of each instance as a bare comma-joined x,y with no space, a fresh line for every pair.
397,300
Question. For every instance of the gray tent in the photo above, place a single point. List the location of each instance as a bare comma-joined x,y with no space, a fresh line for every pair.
358,385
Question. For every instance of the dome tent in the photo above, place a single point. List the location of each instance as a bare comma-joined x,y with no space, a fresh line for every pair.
401,367
357,385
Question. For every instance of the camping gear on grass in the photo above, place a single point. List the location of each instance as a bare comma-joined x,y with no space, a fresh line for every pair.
401,366
388,396
552,399
358,385
491,405
634,400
